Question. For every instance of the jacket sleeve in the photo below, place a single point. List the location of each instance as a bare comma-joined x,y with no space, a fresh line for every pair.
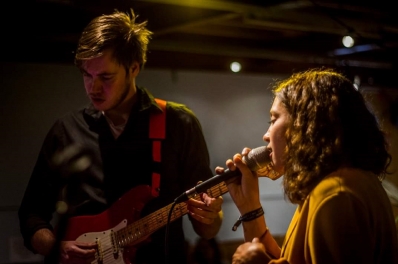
38,203
194,156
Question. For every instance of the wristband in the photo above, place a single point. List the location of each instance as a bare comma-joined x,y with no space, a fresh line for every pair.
248,217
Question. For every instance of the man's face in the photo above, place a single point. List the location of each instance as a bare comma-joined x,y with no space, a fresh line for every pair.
107,83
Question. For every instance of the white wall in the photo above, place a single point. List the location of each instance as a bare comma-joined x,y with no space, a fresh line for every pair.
233,110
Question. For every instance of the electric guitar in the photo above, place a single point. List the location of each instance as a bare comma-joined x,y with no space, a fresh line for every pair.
118,230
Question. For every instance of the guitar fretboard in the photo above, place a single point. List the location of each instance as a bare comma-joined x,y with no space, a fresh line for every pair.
154,221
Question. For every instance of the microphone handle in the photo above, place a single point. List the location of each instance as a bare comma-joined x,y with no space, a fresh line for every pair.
204,186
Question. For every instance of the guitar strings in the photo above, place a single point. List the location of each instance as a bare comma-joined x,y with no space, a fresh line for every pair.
147,225
154,221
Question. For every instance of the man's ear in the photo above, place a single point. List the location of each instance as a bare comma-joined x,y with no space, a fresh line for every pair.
135,69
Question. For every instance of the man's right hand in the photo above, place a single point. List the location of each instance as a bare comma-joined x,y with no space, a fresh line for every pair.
77,252
43,241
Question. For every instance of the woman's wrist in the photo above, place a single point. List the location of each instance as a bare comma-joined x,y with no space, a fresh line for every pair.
255,228
249,216
249,207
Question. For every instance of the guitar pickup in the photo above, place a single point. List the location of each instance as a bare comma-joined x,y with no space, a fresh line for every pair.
99,255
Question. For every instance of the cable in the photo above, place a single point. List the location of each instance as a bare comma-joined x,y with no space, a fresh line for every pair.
166,243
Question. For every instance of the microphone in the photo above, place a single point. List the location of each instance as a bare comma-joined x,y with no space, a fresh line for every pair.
256,159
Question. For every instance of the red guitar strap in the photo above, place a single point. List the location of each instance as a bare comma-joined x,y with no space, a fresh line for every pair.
157,132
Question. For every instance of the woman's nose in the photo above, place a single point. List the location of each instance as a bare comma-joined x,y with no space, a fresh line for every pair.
266,137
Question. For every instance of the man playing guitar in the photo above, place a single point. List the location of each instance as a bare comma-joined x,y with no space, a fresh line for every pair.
123,158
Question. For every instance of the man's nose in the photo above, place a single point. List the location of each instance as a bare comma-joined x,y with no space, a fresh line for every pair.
96,86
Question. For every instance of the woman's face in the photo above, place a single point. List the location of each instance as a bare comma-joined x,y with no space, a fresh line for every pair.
276,138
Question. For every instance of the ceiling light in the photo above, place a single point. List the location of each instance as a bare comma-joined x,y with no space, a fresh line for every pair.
235,66
348,41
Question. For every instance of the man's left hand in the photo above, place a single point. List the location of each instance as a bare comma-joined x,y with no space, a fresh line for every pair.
206,210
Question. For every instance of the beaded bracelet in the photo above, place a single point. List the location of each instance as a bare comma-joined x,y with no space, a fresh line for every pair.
248,217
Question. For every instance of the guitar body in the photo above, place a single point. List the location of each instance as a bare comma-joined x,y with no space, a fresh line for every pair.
118,230
101,227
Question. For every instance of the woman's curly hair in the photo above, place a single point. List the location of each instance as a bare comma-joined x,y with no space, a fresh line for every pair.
119,32
331,127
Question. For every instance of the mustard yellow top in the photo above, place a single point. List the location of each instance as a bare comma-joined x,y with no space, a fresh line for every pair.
347,218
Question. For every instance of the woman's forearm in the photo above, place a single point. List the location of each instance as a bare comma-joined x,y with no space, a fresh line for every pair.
258,228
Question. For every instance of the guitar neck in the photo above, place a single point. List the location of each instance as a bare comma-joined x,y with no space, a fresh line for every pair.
154,221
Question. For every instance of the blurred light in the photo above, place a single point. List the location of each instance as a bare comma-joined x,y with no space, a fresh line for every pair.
61,207
357,82
235,66
356,86
356,49
348,41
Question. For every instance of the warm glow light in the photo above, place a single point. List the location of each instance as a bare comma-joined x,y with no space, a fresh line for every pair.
348,41
235,66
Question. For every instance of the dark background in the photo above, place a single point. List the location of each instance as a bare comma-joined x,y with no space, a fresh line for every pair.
272,36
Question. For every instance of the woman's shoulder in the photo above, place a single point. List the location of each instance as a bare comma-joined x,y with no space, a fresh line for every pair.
350,183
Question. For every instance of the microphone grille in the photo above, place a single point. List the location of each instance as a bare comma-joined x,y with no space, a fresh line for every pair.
258,158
